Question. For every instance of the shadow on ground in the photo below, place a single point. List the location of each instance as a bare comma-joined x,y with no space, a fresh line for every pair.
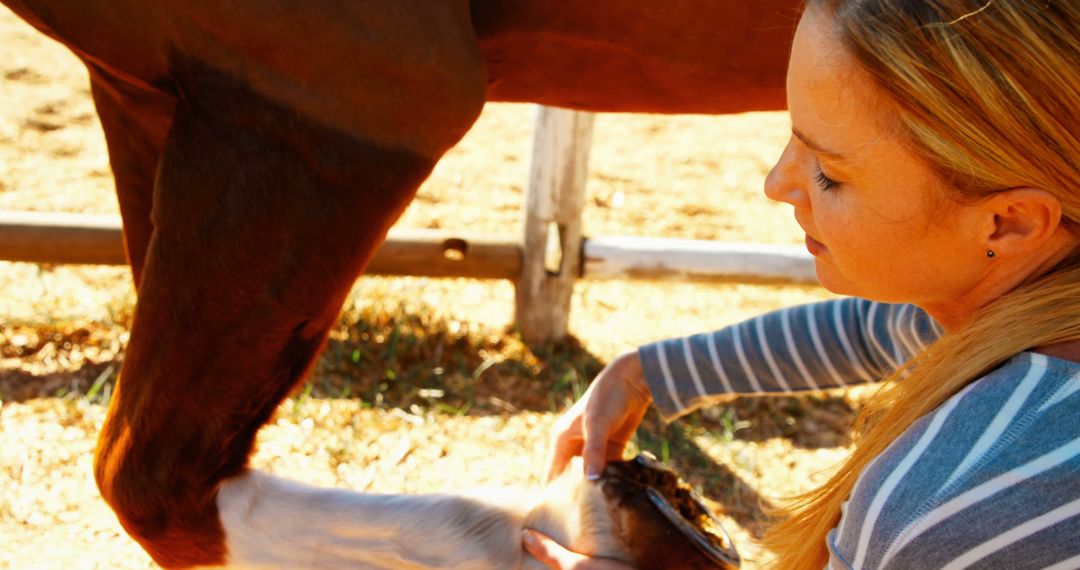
415,362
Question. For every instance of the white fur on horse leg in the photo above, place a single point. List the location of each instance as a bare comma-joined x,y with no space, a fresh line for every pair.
575,513
274,523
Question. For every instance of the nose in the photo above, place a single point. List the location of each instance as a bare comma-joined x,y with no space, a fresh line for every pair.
784,183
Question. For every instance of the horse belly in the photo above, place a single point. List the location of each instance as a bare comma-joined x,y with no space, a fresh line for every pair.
121,38
680,56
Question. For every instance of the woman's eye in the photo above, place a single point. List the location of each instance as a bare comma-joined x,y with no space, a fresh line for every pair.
824,182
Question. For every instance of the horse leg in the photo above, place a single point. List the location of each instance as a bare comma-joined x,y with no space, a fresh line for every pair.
136,121
262,219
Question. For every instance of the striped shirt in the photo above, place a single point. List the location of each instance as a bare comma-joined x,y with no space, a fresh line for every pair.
990,479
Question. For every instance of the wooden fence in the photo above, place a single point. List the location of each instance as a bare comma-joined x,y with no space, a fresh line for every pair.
544,262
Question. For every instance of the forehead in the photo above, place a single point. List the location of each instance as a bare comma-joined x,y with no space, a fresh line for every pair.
832,99
818,46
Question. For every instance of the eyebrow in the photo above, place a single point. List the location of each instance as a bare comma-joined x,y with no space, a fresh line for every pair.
839,156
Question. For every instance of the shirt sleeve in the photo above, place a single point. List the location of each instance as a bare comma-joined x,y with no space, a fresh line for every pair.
816,346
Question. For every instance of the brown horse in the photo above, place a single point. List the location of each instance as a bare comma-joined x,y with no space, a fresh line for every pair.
261,151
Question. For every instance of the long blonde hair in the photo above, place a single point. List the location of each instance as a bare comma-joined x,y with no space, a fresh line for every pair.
987,92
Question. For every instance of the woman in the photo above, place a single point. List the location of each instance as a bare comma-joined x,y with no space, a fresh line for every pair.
934,168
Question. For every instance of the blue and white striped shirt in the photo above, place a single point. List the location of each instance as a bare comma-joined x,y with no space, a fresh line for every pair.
991,479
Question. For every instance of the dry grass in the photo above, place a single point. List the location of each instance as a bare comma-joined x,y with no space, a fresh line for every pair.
424,384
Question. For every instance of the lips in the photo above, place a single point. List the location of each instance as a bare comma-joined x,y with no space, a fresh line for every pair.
814,246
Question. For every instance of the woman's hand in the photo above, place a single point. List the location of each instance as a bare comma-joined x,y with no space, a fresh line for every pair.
599,425
554,556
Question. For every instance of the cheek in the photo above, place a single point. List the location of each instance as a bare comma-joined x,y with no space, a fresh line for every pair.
845,222
832,218
856,246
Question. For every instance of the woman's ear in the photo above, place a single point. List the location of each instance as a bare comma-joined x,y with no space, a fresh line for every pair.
1021,221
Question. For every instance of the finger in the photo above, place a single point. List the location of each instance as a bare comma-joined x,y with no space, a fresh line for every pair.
566,447
595,453
547,551
568,440
627,430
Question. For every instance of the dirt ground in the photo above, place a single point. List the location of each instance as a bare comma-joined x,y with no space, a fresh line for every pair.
391,421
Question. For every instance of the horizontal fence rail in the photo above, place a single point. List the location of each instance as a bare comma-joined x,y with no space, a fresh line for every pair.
696,260
47,237
98,239
41,237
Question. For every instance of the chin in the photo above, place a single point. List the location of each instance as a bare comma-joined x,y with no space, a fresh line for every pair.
883,290
829,278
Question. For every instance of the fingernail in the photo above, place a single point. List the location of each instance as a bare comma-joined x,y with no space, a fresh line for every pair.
591,473
528,537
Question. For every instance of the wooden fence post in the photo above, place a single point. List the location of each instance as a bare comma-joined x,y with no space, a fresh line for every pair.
551,249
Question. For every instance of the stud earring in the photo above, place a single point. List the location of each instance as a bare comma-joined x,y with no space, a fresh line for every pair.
990,253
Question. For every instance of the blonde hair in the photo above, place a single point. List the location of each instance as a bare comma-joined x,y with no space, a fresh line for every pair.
987,93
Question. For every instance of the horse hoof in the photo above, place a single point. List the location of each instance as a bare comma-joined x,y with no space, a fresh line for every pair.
652,506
